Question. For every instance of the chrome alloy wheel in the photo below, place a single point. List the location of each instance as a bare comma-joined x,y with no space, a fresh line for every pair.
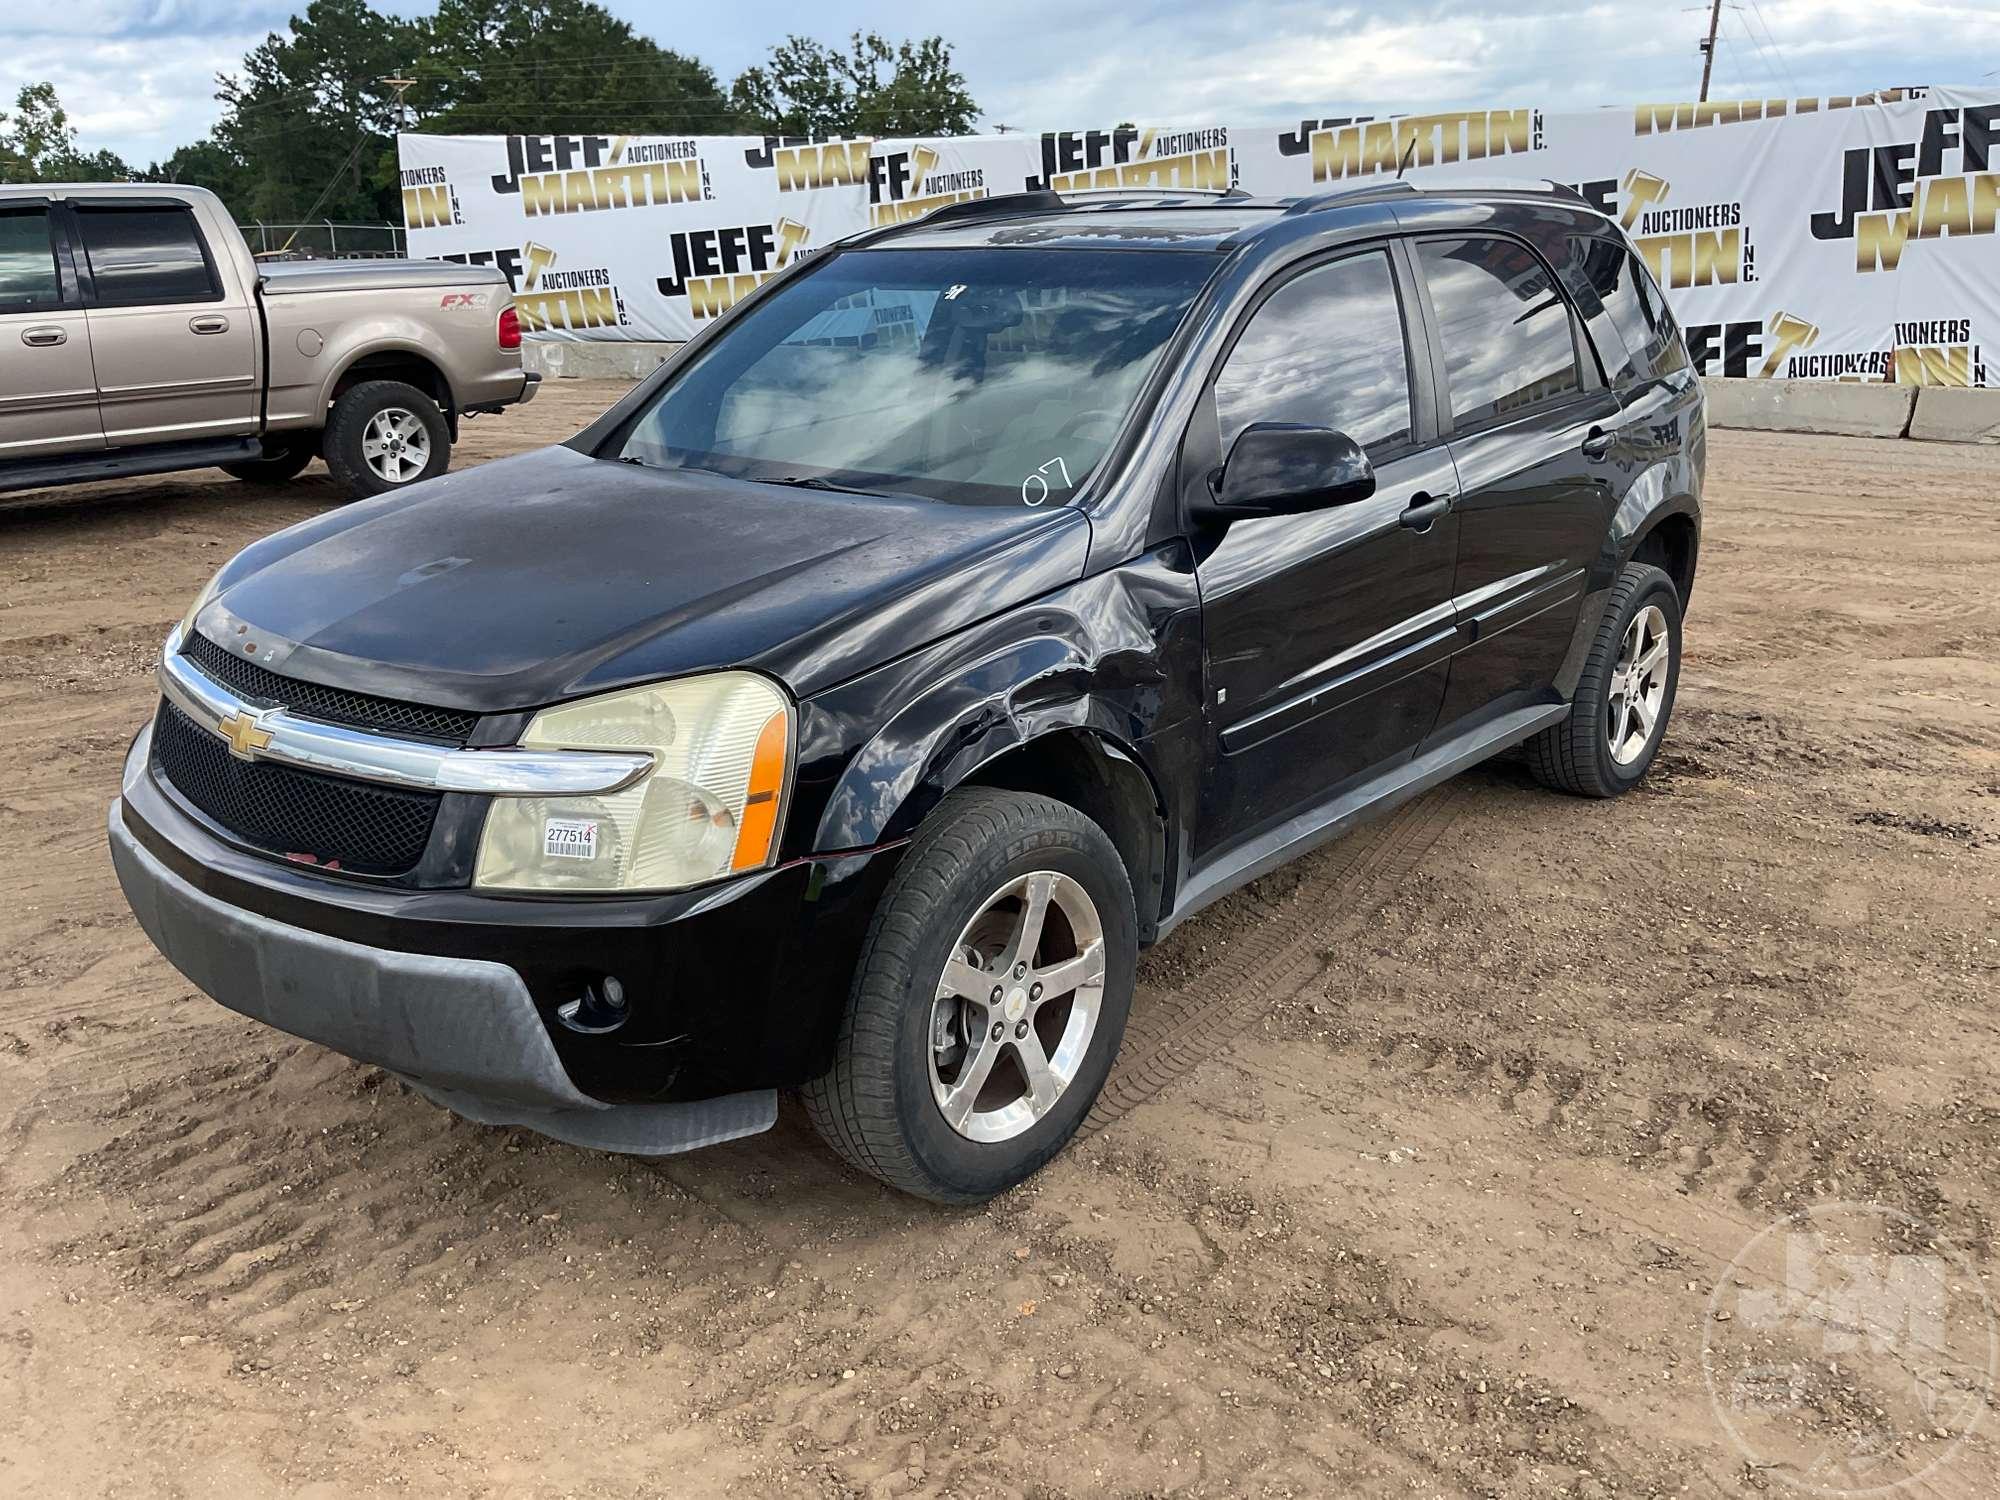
396,445
1016,1006
1638,685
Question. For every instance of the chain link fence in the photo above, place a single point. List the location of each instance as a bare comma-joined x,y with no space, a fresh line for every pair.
324,239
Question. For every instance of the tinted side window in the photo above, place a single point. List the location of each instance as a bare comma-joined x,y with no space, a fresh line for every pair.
1673,353
28,277
1504,326
1613,274
141,255
1325,349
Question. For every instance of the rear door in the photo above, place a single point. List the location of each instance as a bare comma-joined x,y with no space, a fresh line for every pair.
173,335
1530,424
1327,634
48,390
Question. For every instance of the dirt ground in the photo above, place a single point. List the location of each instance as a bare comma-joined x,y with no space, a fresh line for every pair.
1419,1169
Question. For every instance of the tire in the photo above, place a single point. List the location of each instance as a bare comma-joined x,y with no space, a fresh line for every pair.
286,461
352,445
1577,755
879,1104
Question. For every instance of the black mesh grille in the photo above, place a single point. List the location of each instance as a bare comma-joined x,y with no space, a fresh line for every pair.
374,830
312,701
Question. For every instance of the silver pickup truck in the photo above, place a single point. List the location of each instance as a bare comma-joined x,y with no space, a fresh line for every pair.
139,336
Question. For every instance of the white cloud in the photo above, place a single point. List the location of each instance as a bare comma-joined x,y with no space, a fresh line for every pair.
138,77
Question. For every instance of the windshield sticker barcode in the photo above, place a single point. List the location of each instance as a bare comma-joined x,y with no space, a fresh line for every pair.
569,838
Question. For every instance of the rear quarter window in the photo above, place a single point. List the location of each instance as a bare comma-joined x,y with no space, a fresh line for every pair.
1648,342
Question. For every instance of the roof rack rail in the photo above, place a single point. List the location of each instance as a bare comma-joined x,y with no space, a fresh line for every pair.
998,206
1314,202
1541,187
1148,194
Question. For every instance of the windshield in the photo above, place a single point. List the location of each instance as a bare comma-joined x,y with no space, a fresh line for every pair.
979,376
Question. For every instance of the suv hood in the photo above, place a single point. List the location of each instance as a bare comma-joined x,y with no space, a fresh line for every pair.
552,574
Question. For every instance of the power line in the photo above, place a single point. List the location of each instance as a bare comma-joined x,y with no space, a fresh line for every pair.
1758,11
338,172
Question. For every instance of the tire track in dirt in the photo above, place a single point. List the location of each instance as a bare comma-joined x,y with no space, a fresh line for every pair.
1285,950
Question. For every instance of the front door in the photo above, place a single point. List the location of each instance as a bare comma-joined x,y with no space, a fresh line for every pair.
48,391
174,337
1327,634
1529,434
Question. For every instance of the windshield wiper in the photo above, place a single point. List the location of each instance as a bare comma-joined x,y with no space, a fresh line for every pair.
814,482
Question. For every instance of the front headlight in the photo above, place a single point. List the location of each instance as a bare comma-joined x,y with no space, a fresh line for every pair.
722,751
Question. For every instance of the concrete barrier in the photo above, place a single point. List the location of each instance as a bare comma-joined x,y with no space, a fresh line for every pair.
564,359
1846,409
1948,414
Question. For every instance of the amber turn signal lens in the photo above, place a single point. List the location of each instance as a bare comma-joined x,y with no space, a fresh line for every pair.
759,824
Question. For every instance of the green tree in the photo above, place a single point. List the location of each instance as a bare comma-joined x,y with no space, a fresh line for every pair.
808,88
40,144
503,67
204,163
308,126
311,121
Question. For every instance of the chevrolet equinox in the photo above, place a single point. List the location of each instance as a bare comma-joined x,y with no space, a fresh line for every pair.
845,708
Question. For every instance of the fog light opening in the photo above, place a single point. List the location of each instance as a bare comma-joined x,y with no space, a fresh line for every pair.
601,1008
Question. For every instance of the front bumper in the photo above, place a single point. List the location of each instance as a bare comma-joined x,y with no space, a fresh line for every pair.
736,990
464,1031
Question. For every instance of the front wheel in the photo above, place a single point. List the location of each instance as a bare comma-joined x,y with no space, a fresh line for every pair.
383,435
989,1001
1624,696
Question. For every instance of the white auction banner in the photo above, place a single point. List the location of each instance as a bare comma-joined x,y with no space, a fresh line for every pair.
1828,238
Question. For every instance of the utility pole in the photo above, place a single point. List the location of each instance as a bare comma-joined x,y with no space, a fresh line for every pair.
403,85
1708,47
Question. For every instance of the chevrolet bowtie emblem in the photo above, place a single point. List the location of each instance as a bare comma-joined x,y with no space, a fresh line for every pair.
245,735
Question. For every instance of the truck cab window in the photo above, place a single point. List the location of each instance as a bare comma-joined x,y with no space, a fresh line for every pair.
140,256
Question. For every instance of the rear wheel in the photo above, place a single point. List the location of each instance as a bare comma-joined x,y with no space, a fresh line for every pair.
1624,696
989,1001
383,435
283,459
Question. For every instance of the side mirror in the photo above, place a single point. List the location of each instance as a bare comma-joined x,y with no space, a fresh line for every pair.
1284,468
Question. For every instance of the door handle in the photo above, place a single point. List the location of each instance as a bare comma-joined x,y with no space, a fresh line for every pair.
44,337
1425,511
209,323
1598,443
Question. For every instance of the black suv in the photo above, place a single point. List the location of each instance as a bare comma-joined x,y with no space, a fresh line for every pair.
845,708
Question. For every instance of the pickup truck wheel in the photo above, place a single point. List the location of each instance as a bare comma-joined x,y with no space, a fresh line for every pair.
989,1000
281,461
1625,695
383,435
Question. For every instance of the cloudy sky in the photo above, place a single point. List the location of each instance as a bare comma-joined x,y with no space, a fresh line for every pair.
138,74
